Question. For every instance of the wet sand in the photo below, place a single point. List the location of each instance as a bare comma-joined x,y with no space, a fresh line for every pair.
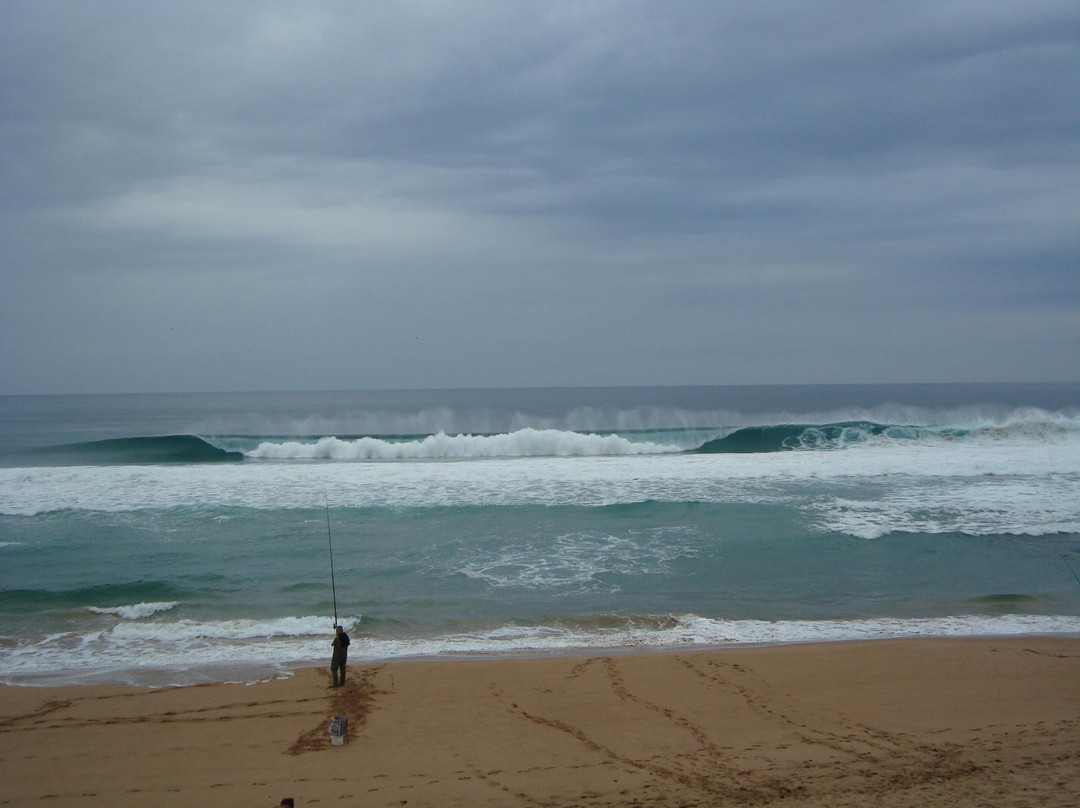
970,722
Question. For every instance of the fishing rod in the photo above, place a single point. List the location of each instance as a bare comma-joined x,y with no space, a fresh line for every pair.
330,542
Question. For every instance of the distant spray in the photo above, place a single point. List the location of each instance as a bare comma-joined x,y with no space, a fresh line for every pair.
330,543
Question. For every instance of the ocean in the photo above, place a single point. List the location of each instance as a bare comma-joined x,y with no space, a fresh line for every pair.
183,538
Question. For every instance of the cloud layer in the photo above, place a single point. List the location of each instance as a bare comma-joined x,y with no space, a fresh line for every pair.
267,195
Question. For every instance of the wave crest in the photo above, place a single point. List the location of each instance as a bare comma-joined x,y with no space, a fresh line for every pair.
844,434
135,611
132,451
522,443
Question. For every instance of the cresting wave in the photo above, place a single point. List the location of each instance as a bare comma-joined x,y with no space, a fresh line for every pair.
791,437
136,611
846,434
744,440
131,451
522,443
531,442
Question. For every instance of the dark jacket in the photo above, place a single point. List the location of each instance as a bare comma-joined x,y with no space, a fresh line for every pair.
341,646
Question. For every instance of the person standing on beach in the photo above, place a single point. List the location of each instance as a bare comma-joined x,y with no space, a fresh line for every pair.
341,654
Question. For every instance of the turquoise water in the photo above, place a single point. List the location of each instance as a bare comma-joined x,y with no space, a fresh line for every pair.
170,539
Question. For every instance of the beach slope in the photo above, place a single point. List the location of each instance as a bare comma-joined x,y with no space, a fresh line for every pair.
890,723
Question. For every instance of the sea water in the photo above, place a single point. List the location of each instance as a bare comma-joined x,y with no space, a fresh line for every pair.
171,539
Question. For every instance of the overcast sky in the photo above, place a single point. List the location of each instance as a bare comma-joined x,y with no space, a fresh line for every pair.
230,195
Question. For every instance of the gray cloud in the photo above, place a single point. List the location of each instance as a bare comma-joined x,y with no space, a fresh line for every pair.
268,195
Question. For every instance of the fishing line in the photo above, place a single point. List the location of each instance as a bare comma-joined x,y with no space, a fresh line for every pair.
1070,566
330,542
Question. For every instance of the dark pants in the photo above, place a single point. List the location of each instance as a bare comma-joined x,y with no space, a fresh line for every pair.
337,663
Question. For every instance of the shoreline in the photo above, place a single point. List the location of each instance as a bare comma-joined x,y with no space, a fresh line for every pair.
249,671
894,722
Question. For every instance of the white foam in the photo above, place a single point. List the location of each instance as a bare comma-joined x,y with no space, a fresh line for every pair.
694,630
578,560
183,652
136,611
129,647
522,443
182,631
970,468
980,506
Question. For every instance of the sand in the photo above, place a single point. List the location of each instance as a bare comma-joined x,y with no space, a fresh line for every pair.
956,723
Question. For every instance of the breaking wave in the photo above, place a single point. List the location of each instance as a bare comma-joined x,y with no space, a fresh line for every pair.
134,611
789,437
523,443
1033,425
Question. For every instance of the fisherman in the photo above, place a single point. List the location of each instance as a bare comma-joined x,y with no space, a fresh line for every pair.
341,654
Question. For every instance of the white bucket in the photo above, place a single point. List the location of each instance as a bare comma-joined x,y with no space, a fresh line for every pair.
339,729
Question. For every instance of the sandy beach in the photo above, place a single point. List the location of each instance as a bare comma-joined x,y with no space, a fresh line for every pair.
888,723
